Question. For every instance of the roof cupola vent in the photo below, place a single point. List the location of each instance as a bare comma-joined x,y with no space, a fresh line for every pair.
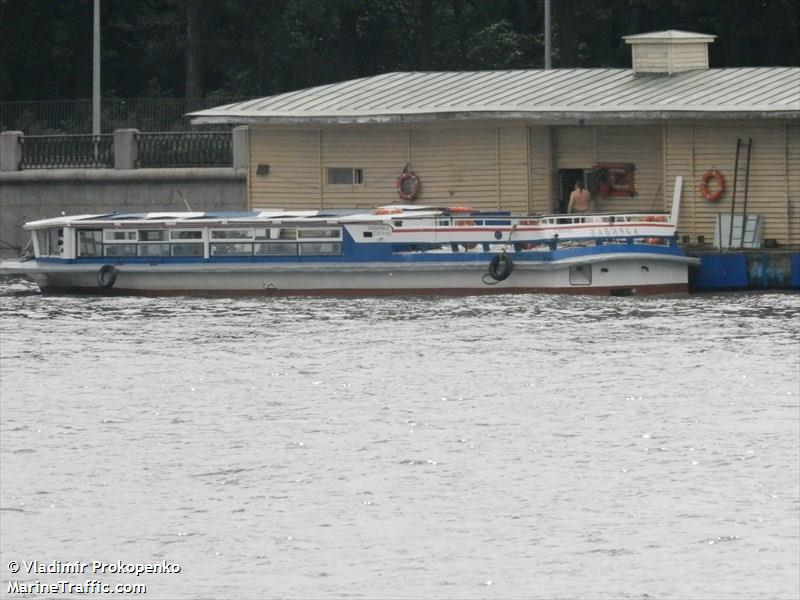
669,52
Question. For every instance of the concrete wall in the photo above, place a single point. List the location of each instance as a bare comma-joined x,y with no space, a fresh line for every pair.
37,194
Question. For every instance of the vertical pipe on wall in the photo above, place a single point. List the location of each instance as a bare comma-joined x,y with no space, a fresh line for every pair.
248,182
321,174
692,187
786,180
551,168
497,160
528,168
664,177
733,195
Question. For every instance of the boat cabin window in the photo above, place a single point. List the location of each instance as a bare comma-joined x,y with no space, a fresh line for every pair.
90,242
51,242
186,234
324,249
120,250
275,249
187,249
111,235
326,233
152,249
228,242
56,239
228,249
232,234
153,235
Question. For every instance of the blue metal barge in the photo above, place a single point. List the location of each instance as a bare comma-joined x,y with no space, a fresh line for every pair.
745,269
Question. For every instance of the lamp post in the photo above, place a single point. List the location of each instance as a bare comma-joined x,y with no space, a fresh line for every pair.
548,63
96,71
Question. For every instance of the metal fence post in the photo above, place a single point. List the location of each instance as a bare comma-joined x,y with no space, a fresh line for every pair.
10,150
241,147
126,148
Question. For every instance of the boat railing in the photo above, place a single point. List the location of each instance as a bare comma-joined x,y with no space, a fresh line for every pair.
604,219
552,220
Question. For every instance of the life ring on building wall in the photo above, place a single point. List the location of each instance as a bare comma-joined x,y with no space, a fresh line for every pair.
408,185
712,195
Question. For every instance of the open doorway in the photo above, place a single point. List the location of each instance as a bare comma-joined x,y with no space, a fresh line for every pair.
566,183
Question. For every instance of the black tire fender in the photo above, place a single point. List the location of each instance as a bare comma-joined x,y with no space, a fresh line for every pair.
500,267
106,277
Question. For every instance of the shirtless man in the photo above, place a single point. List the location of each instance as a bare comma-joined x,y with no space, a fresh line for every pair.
579,199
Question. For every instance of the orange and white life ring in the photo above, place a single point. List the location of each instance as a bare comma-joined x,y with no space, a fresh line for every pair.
408,185
718,178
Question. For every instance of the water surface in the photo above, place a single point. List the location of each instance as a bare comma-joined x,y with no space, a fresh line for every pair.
479,447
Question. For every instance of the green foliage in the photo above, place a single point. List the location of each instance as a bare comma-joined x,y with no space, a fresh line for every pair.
264,47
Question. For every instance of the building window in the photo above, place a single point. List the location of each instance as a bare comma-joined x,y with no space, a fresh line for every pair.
345,176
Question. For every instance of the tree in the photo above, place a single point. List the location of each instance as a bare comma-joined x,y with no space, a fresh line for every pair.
194,82
171,48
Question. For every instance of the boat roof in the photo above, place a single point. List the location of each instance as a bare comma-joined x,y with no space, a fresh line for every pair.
265,216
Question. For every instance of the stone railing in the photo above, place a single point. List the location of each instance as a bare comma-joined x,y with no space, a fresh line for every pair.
124,149
185,149
66,152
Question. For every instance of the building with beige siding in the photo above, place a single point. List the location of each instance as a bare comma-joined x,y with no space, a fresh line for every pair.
518,140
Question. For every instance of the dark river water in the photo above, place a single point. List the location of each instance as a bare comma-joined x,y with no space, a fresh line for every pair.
478,447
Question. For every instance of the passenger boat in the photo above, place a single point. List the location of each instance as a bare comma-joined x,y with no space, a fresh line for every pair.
390,250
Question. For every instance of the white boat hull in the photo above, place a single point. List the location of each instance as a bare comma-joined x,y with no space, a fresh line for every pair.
611,274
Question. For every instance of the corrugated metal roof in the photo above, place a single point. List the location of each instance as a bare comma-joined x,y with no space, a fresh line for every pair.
672,35
532,94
